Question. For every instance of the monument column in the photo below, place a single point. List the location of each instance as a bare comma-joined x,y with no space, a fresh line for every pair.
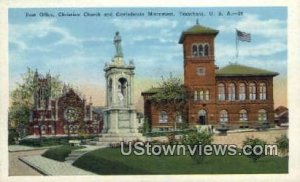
120,122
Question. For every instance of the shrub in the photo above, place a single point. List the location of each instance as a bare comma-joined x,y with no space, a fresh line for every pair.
252,151
283,144
195,139
60,153
165,133
171,138
50,141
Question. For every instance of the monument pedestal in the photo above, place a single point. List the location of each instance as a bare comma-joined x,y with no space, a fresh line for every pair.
120,118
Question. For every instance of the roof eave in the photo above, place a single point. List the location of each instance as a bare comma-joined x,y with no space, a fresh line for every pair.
181,39
230,75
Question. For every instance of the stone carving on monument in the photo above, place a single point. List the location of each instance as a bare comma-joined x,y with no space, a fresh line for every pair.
120,123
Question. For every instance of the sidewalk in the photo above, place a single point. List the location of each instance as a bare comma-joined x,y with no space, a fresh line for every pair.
55,168
20,148
51,167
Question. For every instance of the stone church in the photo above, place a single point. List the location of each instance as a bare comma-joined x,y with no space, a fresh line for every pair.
65,115
235,95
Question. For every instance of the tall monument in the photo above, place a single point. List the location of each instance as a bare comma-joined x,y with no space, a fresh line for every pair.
120,123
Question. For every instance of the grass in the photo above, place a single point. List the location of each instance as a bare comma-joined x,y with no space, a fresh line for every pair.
60,153
109,161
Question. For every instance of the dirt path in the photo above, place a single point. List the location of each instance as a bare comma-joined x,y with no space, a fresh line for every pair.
18,168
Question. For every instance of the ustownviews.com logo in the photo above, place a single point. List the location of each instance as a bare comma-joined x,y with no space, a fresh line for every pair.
140,148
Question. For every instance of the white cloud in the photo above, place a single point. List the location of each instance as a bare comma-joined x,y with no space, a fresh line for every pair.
161,29
270,28
134,24
22,34
250,50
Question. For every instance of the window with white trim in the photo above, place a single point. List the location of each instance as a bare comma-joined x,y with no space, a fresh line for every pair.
200,49
242,91
179,118
206,95
262,115
243,115
231,91
206,50
163,117
224,116
262,91
221,91
43,129
252,91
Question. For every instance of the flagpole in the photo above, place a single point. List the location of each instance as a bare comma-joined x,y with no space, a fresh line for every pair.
236,46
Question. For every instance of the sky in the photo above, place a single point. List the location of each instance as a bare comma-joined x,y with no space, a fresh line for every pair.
76,48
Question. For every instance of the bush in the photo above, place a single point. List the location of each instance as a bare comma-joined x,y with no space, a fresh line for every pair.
195,139
253,152
50,141
60,153
166,133
283,144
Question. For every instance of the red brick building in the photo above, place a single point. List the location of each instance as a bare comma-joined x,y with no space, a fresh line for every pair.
236,95
62,116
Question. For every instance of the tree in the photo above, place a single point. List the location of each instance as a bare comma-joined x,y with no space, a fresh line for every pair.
171,95
21,99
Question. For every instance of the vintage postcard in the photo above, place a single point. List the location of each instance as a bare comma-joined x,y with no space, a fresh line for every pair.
124,91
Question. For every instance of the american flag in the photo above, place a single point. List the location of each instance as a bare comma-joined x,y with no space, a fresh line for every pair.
243,36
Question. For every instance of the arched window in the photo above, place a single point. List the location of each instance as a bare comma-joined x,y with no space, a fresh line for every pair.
163,117
252,91
71,128
221,91
231,91
195,95
206,95
242,91
224,116
110,85
43,129
52,129
206,50
76,127
262,115
194,50
201,95
200,53
243,115
179,118
65,129
262,91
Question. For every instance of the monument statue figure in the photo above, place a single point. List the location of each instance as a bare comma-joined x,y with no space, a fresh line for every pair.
121,97
117,43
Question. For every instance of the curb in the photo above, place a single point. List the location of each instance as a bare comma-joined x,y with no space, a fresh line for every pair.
34,167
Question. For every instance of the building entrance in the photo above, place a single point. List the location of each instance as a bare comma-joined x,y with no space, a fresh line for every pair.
202,117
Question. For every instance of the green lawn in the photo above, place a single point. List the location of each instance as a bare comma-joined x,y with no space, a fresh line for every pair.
60,153
110,161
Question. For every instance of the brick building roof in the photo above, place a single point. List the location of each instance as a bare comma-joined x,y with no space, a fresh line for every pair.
197,29
242,70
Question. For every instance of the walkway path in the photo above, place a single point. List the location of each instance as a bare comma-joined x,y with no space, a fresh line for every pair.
52,167
19,168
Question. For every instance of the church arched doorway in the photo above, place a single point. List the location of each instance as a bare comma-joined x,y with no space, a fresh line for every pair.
202,116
